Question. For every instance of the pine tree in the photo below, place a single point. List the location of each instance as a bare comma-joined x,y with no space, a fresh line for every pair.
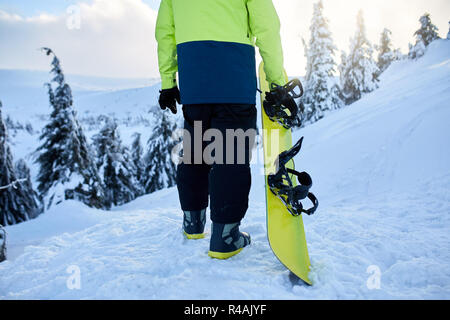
321,92
418,50
342,66
308,60
115,165
385,53
426,34
448,34
67,168
2,244
359,71
136,156
18,201
160,170
32,201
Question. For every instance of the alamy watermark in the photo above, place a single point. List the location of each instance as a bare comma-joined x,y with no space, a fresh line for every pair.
374,280
73,21
73,282
230,146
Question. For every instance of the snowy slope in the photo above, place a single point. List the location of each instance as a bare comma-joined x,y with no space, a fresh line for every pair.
381,172
23,95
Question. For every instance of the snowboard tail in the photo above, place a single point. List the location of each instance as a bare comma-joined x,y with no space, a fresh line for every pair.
285,232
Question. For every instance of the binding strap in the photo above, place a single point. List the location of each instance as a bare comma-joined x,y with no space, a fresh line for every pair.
280,105
282,186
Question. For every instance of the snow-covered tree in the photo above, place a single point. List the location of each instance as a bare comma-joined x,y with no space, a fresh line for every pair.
426,34
137,157
342,66
321,91
67,168
359,70
448,34
418,50
18,200
428,31
115,165
31,198
385,53
2,244
160,170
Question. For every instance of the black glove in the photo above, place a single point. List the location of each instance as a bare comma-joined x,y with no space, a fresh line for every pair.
271,98
168,99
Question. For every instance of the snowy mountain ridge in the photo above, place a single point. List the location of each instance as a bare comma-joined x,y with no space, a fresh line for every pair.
381,172
93,96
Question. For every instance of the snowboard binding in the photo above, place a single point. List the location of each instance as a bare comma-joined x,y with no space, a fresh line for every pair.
282,186
280,105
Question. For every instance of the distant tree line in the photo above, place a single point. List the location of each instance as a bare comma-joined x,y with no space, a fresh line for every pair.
100,174
359,71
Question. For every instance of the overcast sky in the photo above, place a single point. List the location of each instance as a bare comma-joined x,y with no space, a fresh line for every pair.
115,38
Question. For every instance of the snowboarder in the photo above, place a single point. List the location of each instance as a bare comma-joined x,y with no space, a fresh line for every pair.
211,44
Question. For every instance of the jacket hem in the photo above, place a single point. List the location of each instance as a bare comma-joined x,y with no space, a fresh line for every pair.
206,100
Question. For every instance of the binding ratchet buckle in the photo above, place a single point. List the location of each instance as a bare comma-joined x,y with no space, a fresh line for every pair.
282,186
280,105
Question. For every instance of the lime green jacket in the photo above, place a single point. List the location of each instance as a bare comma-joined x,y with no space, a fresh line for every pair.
211,44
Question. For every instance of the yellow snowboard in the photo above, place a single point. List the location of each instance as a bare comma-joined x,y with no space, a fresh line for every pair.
285,232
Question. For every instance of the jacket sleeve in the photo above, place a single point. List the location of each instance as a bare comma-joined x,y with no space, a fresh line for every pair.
265,27
167,49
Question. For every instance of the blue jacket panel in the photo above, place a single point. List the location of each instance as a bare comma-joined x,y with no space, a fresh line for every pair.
216,72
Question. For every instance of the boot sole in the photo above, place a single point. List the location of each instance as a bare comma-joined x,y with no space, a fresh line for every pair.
195,236
223,255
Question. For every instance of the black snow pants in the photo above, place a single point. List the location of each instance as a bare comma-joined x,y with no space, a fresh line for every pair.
216,159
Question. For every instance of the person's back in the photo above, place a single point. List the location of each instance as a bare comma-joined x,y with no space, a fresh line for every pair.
211,44
215,46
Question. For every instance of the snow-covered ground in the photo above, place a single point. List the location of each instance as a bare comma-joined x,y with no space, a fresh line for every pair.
381,169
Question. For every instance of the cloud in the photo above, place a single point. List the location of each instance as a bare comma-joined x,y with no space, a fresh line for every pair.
104,38
116,37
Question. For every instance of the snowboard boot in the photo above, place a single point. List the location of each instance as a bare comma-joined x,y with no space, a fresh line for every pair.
194,224
227,240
